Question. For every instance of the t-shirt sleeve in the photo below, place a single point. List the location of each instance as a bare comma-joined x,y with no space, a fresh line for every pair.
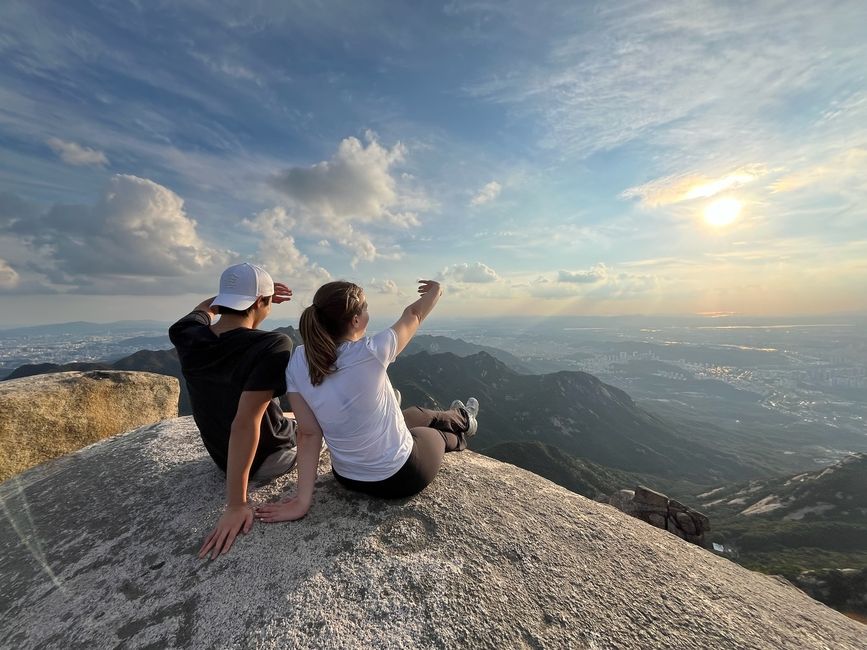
269,371
291,369
383,346
194,319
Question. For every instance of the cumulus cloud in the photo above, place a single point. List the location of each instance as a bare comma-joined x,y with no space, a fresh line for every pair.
476,272
8,276
595,274
73,153
599,283
387,287
279,254
487,194
135,235
340,198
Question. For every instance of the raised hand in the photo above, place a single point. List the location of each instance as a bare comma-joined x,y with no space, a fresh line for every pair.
427,286
282,293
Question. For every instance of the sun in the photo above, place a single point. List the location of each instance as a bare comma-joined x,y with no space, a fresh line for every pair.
722,212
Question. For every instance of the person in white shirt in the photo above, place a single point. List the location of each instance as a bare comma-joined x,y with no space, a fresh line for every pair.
339,389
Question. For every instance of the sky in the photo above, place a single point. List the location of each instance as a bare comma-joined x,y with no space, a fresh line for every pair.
555,158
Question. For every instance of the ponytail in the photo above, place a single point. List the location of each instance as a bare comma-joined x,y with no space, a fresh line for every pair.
319,347
324,322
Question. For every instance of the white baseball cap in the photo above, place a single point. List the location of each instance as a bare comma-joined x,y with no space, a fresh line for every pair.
241,285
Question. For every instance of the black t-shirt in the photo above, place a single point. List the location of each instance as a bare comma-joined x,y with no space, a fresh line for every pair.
218,369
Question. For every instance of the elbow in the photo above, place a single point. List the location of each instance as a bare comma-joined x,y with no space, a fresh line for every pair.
308,433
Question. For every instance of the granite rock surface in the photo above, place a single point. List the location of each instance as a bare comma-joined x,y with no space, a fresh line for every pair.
97,550
46,416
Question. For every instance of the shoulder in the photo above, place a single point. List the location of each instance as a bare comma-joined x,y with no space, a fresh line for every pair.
193,321
383,345
298,360
270,341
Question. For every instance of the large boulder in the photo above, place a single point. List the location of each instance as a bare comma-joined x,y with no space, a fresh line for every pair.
100,552
658,510
46,416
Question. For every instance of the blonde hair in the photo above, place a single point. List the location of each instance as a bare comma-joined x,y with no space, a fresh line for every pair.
325,322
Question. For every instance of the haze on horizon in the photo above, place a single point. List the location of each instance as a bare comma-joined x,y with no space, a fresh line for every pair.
575,158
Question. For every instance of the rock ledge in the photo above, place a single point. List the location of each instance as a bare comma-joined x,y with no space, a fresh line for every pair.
98,551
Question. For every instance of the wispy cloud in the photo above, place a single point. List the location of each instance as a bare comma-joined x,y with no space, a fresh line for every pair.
687,187
76,154
694,79
487,194
846,167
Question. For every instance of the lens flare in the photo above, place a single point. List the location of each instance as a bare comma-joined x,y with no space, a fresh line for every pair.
722,212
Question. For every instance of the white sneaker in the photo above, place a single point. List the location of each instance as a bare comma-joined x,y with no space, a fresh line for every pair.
473,407
472,423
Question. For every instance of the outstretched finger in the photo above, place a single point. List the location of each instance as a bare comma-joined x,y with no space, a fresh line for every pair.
219,545
230,539
206,546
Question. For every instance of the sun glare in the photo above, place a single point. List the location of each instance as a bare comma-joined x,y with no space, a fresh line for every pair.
722,212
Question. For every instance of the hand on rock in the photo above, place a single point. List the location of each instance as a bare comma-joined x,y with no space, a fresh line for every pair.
235,519
287,510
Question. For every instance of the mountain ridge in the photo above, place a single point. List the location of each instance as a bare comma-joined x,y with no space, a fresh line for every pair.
571,410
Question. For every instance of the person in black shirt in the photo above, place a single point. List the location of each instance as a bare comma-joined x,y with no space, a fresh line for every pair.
234,372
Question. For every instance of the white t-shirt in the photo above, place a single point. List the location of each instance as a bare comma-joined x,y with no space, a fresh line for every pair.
356,407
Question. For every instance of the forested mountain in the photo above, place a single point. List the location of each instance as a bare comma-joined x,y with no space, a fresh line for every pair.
811,520
572,411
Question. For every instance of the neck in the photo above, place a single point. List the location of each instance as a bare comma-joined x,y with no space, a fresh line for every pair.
230,322
352,336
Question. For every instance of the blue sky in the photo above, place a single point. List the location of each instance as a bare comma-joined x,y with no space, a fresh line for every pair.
553,158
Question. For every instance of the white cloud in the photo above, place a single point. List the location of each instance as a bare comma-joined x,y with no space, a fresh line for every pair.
470,273
8,276
387,287
686,187
599,283
227,67
847,169
355,184
595,274
487,194
278,253
137,235
342,198
719,79
75,154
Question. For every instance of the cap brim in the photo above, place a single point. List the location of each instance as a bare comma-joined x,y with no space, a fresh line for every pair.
233,301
